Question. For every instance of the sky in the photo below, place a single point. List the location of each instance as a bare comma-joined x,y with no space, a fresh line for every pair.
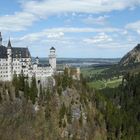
76,28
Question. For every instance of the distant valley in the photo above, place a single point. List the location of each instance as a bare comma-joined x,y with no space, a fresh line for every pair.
83,62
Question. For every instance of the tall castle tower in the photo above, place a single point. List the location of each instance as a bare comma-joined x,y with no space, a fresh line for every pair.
52,58
37,60
9,55
0,39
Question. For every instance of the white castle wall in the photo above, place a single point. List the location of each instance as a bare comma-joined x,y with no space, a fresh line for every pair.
11,66
3,69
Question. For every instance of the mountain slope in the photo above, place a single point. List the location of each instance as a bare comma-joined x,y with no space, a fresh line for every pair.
131,57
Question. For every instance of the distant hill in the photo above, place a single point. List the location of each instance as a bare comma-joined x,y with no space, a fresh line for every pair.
131,57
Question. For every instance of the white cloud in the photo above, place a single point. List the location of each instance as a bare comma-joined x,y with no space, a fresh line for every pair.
16,22
82,30
57,33
40,35
115,45
92,20
135,26
40,41
100,38
35,10
47,7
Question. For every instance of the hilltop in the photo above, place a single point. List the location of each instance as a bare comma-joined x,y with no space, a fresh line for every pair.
131,57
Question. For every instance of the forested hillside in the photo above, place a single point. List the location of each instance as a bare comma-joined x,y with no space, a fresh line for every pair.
70,110
66,111
123,118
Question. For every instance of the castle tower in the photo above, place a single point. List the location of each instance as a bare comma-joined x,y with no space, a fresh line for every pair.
9,56
52,58
0,39
37,60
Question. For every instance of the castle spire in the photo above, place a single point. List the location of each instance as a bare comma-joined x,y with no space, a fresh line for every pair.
9,44
0,39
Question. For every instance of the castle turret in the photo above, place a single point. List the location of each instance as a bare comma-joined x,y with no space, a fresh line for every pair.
37,60
52,58
9,56
0,39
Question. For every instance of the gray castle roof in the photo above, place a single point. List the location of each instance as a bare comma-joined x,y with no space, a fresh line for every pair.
21,52
17,52
3,52
52,48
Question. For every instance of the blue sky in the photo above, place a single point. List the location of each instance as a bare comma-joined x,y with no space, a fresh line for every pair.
76,28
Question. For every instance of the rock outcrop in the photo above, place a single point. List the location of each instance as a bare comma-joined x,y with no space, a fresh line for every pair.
131,57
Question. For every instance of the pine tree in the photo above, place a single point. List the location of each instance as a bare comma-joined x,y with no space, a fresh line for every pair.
21,82
15,83
33,90
26,90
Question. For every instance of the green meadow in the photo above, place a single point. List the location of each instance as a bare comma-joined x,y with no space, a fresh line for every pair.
102,83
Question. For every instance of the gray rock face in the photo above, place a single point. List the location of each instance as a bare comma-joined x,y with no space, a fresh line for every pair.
131,57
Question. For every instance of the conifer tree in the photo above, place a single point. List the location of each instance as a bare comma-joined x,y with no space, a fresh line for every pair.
33,90
26,89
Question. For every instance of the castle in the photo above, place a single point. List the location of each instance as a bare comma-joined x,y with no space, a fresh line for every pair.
17,60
